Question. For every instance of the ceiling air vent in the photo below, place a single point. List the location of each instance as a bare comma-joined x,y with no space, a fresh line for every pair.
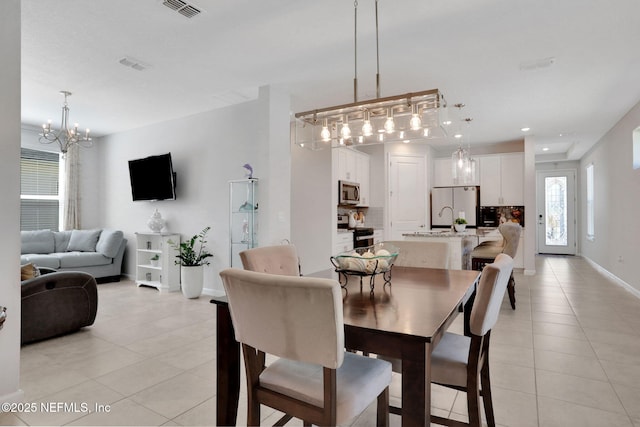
183,8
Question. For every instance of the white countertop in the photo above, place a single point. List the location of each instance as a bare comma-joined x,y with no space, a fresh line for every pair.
444,232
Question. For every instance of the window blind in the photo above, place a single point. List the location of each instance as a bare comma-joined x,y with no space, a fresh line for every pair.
39,190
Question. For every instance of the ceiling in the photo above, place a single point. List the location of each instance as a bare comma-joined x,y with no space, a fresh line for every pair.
566,69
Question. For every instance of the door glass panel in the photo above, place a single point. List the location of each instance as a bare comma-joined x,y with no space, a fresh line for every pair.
556,210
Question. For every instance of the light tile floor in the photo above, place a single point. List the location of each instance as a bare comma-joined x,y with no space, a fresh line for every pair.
569,355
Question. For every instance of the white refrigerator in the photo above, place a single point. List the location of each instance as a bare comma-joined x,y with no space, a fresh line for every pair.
463,201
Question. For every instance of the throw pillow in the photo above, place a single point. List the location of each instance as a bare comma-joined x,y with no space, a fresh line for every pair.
28,271
109,242
83,240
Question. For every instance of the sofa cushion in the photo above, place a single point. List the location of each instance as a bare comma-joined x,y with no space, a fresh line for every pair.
109,242
41,260
37,242
28,271
61,239
82,259
83,240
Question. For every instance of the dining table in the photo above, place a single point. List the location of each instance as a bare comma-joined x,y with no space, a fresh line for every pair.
403,319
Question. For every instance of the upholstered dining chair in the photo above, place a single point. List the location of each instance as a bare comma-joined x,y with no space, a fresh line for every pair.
278,259
300,321
486,253
460,361
421,254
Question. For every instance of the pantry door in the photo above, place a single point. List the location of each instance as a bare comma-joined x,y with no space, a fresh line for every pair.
407,195
556,216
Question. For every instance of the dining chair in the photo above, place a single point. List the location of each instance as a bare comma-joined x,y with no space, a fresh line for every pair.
421,254
278,259
460,361
300,321
486,253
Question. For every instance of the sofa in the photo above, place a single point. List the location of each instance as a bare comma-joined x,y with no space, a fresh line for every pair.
57,303
98,252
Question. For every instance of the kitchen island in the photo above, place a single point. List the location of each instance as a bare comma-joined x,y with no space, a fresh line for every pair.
460,243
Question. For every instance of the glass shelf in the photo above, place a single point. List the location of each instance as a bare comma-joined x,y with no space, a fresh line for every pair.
243,217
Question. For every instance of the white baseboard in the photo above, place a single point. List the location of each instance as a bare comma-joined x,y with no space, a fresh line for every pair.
619,281
15,397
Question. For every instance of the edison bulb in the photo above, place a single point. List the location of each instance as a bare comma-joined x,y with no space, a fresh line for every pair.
325,134
389,125
415,123
345,132
367,128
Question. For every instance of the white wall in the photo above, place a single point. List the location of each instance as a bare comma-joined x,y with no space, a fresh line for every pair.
208,150
313,213
617,202
10,193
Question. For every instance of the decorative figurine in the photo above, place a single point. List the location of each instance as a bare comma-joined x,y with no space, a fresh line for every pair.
249,169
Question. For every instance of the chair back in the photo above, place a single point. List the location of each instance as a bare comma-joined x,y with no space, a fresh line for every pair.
279,259
421,254
297,318
511,234
489,294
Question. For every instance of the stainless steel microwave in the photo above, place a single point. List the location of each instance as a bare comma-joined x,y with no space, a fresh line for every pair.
348,193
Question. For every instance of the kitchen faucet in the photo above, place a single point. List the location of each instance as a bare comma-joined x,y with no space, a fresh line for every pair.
442,210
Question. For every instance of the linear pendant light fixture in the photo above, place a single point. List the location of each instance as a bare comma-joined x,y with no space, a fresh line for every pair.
414,116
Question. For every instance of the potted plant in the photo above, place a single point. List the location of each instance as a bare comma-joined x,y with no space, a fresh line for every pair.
192,257
154,260
460,224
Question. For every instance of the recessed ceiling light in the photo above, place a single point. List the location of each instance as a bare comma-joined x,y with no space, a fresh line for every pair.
545,149
525,129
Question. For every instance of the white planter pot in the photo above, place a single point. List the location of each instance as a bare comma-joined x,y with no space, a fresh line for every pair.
460,227
192,280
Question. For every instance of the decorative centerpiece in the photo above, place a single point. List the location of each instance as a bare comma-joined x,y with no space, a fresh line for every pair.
192,262
366,261
460,224
156,223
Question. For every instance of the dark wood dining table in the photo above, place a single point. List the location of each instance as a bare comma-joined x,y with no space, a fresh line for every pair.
404,320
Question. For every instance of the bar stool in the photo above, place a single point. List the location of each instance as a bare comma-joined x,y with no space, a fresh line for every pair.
486,252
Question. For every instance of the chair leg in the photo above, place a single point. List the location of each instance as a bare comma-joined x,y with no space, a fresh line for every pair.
486,394
473,407
511,289
253,413
382,417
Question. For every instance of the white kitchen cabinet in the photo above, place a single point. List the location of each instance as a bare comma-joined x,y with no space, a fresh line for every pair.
343,242
162,274
378,236
353,166
442,173
502,180
362,176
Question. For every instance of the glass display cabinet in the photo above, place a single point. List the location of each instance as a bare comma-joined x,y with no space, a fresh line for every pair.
243,218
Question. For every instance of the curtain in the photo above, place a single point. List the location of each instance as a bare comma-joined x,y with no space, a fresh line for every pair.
72,188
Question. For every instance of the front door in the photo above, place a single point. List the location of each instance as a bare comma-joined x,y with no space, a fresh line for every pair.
556,223
407,198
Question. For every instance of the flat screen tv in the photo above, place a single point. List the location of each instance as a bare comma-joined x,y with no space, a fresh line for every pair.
152,178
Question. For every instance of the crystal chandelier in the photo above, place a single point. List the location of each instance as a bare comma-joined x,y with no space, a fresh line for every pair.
65,137
406,117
